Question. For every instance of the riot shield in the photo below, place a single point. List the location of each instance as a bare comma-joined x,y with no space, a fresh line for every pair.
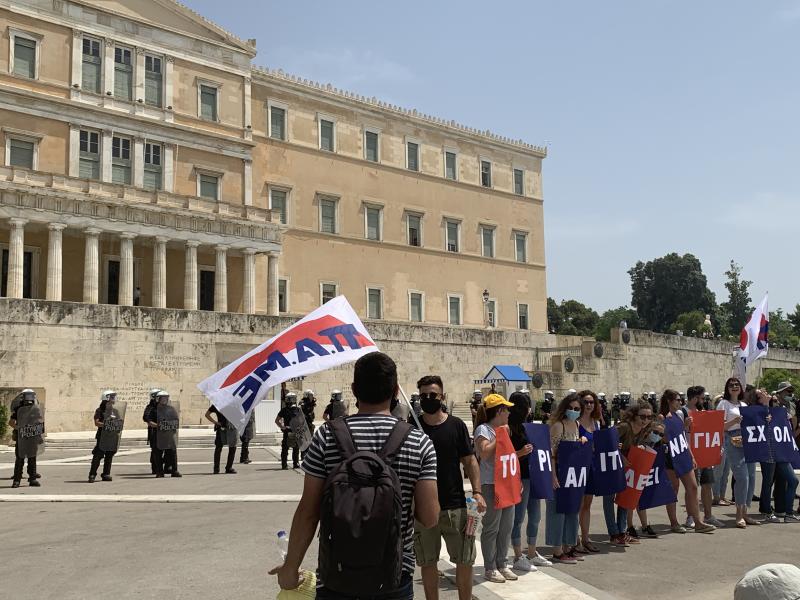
402,411
168,419
299,428
113,422
250,429
338,409
30,430
229,435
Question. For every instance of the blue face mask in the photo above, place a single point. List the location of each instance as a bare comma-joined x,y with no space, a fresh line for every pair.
573,415
654,438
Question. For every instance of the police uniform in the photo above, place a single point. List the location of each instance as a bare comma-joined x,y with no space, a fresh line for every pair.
97,453
244,455
287,413
149,415
221,440
19,462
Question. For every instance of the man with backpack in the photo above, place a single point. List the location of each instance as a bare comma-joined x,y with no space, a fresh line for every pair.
362,474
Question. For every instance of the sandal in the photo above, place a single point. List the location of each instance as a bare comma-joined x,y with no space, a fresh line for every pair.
724,502
589,545
580,549
741,524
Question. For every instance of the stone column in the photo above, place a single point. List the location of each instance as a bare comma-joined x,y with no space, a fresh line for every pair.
249,293
16,258
221,280
54,262
126,269
160,273
91,267
272,284
190,276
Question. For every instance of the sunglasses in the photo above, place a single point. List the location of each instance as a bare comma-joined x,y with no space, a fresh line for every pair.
589,402
574,407
430,396
645,417
733,385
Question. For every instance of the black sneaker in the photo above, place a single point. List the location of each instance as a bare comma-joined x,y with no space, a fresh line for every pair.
37,476
246,461
284,467
649,532
216,470
105,477
230,471
632,532
34,483
15,484
92,478
175,474
159,475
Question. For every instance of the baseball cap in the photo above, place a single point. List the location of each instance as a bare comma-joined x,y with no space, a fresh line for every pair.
773,581
493,400
783,386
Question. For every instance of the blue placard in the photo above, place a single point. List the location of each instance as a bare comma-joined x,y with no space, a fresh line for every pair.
754,433
658,490
574,462
608,474
781,436
540,463
678,447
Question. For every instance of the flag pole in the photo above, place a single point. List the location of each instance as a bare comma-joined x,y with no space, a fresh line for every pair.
410,407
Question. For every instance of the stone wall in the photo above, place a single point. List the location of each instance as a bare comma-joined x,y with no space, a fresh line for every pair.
73,351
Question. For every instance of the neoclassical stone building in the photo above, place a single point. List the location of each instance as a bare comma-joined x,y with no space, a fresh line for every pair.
145,161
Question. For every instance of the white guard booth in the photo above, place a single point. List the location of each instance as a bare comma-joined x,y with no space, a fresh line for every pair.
267,410
506,379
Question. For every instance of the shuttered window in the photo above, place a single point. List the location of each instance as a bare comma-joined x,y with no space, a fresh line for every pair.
487,239
371,146
454,310
209,186
326,133
374,304
89,165
519,182
91,66
152,166
327,213
523,316
123,74
450,165
24,57
414,230
277,121
452,236
121,160
208,102
328,292
373,224
153,81
412,151
521,243
21,153
415,307
486,173
277,203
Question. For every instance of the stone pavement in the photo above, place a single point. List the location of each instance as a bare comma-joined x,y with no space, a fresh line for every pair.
212,536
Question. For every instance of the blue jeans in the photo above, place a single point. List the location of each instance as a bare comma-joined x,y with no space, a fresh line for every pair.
767,478
743,472
785,487
560,529
721,473
616,525
533,506
404,592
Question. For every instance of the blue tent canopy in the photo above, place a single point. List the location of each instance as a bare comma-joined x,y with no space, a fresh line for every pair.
499,373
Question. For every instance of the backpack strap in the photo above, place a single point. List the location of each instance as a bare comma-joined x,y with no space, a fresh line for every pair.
395,442
343,437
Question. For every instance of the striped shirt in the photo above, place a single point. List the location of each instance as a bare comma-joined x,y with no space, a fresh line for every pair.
415,461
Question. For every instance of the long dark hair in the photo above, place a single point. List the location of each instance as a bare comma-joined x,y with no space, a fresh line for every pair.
667,397
519,411
559,414
727,395
633,411
597,413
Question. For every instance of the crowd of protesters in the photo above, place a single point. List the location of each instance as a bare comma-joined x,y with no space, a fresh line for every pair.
433,467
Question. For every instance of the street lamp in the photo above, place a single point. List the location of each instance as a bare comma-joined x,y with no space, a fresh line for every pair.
485,307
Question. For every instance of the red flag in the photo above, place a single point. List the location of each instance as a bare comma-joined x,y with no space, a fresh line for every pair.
705,439
636,476
507,479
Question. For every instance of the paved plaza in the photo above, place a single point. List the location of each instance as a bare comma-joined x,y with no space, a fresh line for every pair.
212,536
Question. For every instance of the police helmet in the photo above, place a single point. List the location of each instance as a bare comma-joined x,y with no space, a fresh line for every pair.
108,395
291,398
154,393
162,396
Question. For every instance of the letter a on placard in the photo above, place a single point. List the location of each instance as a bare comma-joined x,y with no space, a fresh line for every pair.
572,478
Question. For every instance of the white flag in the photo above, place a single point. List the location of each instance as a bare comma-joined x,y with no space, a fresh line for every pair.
754,340
329,336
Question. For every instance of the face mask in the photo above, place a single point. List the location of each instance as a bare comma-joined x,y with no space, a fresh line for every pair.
573,415
430,405
654,438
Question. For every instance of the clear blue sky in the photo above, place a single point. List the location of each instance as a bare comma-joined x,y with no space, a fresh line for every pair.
671,126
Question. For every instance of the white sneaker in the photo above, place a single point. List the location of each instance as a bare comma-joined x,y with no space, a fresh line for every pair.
689,523
494,576
540,561
523,564
508,574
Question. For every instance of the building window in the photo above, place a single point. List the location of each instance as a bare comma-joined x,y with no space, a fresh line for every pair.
374,303
454,310
121,160
522,311
487,241
208,186
24,59
153,80
205,293
21,153
123,73
89,161
277,123
519,182
327,292
371,151
327,133
91,66
521,246
416,311
152,166
208,102
491,313
327,216
414,230
283,295
412,156
277,203
30,271
486,173
450,165
373,223
452,232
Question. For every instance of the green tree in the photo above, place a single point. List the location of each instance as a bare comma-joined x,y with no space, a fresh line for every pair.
781,333
570,318
739,304
689,322
611,318
794,319
554,319
666,287
770,379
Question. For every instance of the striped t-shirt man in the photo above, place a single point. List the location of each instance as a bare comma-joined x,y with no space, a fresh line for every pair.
415,461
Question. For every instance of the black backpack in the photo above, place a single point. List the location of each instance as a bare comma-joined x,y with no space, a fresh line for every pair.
361,519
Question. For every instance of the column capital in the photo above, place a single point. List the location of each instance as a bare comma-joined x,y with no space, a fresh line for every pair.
249,251
160,239
56,226
274,254
169,59
192,243
17,222
92,231
127,235
221,248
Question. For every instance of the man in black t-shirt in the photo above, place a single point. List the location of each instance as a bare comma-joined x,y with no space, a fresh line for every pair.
221,435
283,420
453,447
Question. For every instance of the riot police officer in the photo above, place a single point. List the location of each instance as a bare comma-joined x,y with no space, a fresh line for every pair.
149,416
109,422
474,404
284,419
307,406
166,424
248,434
224,435
28,424
547,405
707,401
624,401
335,408
653,400
606,420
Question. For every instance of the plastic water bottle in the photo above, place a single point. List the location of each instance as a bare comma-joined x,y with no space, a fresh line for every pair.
473,518
308,579
283,544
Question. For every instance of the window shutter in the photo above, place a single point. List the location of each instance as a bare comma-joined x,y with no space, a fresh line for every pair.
152,89
89,169
21,154
152,179
25,57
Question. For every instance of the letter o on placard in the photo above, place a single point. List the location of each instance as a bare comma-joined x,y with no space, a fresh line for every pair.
514,464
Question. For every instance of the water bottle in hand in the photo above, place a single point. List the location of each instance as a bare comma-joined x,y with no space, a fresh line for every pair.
283,544
473,518
308,580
